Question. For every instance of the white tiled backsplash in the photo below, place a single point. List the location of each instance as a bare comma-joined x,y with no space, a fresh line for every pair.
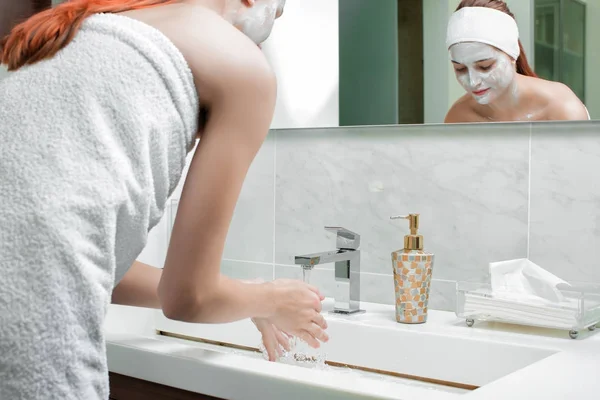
485,193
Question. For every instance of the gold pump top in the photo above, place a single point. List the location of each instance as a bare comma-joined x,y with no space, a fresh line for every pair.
414,241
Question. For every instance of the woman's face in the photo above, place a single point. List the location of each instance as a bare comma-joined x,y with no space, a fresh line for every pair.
482,70
257,21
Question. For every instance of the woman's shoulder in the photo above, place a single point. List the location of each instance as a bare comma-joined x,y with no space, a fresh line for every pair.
561,102
462,111
218,54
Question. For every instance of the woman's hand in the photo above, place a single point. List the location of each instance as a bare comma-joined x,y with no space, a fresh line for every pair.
274,340
298,311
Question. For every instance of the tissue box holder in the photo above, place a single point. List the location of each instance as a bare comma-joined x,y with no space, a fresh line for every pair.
476,302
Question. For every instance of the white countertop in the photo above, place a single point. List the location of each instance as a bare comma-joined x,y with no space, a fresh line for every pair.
567,369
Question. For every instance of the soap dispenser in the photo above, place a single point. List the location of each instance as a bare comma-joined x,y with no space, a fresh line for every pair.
412,275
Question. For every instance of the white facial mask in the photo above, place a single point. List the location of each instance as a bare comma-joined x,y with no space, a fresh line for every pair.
257,21
484,86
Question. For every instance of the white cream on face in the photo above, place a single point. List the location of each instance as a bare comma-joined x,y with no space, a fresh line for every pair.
257,21
485,85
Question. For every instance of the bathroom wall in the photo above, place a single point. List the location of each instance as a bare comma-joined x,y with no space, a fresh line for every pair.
437,76
304,52
471,190
565,200
485,193
592,64
368,74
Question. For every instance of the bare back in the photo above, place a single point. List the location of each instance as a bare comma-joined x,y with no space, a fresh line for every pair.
209,43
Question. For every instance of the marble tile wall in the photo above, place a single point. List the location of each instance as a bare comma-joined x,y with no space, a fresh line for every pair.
485,193
565,200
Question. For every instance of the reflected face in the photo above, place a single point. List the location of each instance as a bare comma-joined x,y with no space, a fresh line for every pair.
482,70
257,21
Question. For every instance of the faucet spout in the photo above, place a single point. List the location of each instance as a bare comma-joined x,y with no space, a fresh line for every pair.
325,257
347,269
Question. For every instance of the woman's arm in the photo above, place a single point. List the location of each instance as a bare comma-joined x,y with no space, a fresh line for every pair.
240,89
237,85
191,281
227,299
139,287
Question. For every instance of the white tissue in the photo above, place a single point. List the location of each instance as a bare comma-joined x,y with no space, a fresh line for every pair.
523,279
524,293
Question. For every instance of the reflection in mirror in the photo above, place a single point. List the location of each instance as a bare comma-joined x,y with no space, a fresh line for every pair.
515,60
491,66
365,62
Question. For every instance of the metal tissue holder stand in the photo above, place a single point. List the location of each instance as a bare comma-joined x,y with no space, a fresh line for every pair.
586,315
347,269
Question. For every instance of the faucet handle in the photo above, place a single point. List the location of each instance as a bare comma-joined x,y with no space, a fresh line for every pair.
346,239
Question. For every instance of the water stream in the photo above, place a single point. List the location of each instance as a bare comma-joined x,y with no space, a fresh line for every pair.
301,353
306,274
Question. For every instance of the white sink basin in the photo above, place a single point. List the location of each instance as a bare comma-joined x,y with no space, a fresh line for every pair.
440,360
453,361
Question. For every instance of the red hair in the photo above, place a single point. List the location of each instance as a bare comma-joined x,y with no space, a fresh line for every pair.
523,66
44,34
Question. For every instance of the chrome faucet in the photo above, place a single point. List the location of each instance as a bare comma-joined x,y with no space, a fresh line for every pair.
347,269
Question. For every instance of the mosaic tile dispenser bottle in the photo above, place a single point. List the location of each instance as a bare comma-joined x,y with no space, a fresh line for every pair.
412,275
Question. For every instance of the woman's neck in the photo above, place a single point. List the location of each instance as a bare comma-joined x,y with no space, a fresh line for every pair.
512,105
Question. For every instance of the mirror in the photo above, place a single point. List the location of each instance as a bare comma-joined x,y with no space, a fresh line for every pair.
408,78
366,62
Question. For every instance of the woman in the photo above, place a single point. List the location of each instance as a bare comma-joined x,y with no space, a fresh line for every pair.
490,64
103,104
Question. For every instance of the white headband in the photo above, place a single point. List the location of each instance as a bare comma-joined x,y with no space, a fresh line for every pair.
484,25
